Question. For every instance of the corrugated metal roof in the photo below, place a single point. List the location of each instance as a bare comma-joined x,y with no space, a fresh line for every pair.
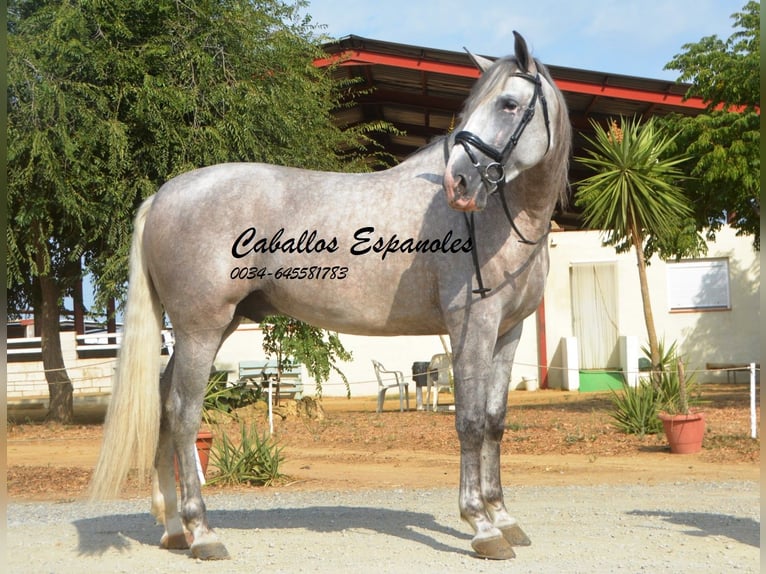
421,91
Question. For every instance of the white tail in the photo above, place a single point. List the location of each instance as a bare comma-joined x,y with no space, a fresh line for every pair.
131,430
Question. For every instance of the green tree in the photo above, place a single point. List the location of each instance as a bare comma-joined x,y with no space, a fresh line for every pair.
109,99
723,142
65,169
292,341
633,196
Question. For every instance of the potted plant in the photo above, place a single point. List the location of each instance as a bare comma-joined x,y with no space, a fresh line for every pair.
684,426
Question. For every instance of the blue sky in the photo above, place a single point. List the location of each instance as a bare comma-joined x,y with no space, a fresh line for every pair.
632,37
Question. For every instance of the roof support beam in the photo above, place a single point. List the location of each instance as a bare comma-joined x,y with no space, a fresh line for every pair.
632,94
367,58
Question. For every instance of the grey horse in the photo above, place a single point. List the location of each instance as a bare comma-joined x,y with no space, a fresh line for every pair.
452,240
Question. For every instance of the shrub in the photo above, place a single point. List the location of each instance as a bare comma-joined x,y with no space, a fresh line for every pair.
676,393
255,460
221,397
635,409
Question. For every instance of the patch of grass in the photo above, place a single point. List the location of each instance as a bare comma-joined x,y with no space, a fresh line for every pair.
315,427
575,437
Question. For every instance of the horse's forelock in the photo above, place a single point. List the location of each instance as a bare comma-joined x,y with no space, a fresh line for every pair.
488,83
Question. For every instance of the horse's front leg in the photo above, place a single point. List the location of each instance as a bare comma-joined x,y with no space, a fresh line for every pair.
497,401
472,369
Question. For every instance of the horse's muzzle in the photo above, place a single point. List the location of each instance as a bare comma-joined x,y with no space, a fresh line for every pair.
460,198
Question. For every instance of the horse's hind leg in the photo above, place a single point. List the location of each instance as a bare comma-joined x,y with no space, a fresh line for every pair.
164,500
497,400
193,358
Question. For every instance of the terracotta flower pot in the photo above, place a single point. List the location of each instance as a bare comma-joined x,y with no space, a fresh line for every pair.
204,444
684,432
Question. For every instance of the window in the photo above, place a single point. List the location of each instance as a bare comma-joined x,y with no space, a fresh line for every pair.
699,284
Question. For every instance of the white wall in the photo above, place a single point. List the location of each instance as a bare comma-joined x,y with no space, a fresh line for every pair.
90,377
713,336
703,336
395,353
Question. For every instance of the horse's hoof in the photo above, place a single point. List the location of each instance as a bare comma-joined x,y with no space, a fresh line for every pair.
515,536
210,551
176,541
495,548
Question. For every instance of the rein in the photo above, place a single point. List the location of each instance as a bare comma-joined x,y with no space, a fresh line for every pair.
493,174
469,221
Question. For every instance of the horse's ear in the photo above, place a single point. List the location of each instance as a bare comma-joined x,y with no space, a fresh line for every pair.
522,52
479,61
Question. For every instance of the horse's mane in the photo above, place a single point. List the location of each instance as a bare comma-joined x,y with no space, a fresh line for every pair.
563,127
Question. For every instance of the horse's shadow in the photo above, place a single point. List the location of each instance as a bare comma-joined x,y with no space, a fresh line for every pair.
743,530
100,534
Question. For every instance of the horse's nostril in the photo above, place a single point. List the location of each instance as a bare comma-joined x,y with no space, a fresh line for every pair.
460,188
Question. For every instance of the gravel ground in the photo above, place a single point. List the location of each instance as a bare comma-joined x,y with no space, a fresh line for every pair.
700,527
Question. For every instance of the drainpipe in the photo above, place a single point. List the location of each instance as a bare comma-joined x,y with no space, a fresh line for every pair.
542,347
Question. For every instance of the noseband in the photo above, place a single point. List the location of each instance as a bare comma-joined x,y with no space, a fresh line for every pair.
493,174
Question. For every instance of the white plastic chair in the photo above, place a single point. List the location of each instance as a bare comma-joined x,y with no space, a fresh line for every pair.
398,382
438,378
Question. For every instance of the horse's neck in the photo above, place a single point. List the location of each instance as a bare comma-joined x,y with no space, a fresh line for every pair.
433,156
540,184
531,199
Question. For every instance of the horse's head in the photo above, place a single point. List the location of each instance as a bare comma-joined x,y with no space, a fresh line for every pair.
505,128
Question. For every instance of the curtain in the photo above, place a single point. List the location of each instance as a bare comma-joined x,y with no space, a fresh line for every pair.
594,313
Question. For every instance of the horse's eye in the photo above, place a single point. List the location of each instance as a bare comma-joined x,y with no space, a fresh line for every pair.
509,105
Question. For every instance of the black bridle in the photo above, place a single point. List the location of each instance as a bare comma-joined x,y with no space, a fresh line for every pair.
493,174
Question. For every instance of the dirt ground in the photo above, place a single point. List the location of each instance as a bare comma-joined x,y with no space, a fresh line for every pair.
552,438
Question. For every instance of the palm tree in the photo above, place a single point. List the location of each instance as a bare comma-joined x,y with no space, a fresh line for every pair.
633,196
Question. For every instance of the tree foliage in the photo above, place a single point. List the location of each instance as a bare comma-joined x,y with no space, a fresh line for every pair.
66,169
724,142
634,197
110,99
107,99
635,184
292,341
725,71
